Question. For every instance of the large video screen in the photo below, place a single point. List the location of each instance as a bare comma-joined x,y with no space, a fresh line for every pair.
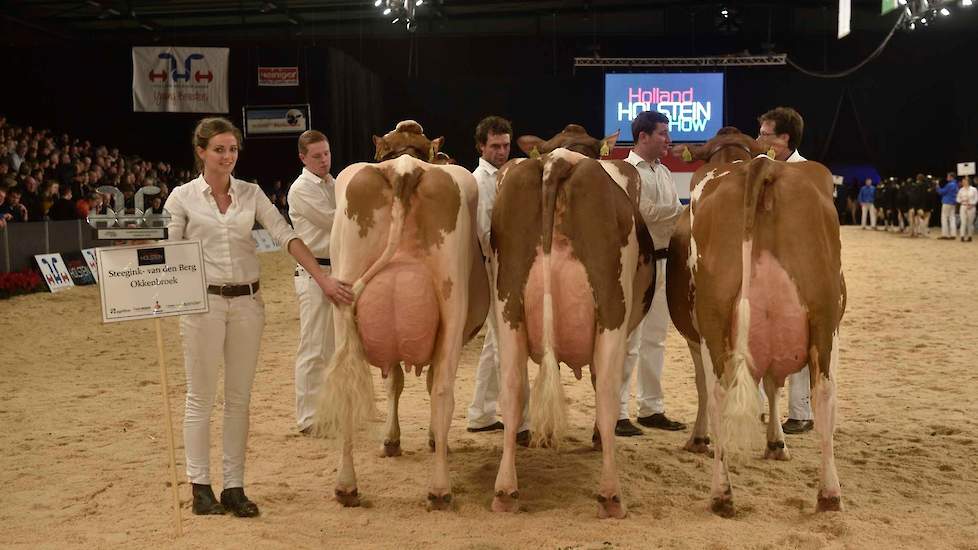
692,101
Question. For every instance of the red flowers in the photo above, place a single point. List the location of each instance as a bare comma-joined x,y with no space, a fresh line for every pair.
20,282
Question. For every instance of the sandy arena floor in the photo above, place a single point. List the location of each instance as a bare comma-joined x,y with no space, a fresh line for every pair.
83,460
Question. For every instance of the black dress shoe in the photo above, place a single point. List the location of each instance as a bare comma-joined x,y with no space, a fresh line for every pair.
659,421
523,438
490,428
625,428
235,501
205,503
795,426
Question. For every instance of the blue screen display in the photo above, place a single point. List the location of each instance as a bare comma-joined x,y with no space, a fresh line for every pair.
692,101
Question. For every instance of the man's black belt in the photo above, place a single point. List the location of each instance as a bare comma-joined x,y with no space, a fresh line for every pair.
660,254
323,261
230,291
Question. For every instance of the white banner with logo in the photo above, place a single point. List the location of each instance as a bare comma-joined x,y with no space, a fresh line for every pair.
54,271
180,79
155,280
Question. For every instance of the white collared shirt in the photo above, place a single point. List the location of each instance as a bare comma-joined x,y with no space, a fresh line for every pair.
312,207
795,157
967,196
659,201
485,177
230,255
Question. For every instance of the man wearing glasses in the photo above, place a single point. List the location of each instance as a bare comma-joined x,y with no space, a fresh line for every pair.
780,131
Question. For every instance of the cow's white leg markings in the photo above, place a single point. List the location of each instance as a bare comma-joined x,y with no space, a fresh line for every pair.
776,447
395,385
830,492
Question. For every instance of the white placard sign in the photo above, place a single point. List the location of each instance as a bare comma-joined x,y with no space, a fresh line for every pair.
264,241
154,280
54,271
966,168
89,255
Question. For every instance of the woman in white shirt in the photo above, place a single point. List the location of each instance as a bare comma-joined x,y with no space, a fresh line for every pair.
220,211
967,198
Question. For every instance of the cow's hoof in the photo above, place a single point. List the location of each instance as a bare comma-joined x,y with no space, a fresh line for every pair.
349,499
699,445
439,502
722,506
391,448
506,503
611,507
829,503
776,451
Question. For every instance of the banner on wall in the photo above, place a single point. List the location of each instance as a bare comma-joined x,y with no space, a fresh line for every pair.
276,120
54,271
278,76
180,79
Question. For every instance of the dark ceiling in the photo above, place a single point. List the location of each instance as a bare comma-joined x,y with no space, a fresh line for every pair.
27,21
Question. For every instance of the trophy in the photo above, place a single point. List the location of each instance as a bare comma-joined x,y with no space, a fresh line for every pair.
125,225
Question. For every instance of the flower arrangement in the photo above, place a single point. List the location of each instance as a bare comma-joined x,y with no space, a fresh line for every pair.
20,282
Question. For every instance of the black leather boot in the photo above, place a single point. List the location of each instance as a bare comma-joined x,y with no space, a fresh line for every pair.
235,501
205,503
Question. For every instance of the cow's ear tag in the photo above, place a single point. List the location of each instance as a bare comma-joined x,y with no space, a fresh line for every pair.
535,153
605,150
687,156
770,153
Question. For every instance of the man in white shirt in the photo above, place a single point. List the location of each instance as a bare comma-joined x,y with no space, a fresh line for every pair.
492,140
312,205
660,208
781,130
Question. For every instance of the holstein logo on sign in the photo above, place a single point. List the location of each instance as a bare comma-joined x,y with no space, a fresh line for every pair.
151,256
178,79
693,102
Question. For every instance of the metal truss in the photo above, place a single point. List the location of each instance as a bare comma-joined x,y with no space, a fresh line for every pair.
713,61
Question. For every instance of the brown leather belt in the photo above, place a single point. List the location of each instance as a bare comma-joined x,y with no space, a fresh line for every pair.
660,254
231,291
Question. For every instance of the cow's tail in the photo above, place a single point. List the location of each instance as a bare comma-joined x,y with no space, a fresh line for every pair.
548,416
741,403
346,401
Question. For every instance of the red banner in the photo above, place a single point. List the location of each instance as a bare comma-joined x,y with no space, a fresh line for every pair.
278,76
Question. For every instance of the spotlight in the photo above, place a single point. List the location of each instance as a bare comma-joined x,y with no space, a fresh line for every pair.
725,12
377,3
387,11
945,12
396,19
923,20
903,2
965,3
419,2
912,26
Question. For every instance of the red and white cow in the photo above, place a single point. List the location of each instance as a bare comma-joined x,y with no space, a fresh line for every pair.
755,285
404,234
573,275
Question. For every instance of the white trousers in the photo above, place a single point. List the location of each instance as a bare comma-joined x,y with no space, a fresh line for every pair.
231,331
316,345
869,210
967,214
485,396
948,226
799,395
646,347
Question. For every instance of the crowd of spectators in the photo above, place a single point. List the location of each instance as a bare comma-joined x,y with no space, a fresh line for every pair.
49,176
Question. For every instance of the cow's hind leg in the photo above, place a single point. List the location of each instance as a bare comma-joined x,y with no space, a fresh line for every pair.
346,478
512,366
776,448
823,391
609,356
721,494
699,440
395,385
